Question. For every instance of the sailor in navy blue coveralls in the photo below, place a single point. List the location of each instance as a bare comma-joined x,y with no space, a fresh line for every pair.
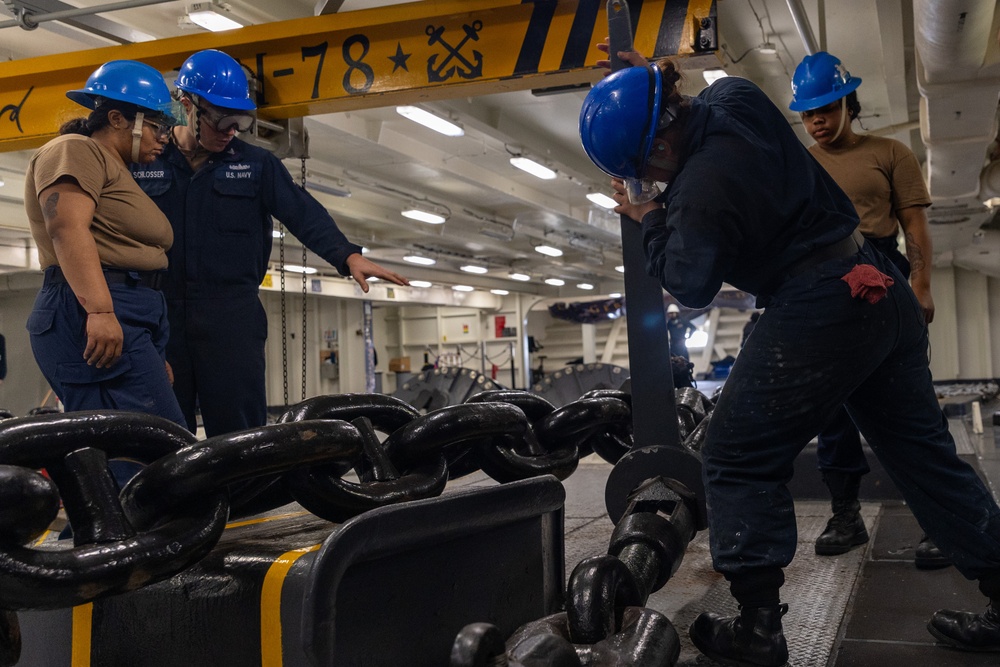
221,216
750,207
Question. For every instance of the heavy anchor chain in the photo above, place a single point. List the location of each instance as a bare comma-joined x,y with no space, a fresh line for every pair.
599,421
411,463
510,435
605,622
173,512
168,517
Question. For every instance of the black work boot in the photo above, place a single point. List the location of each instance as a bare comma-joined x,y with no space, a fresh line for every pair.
928,557
967,631
845,529
752,639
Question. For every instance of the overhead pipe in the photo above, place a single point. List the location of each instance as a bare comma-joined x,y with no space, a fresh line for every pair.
28,21
802,26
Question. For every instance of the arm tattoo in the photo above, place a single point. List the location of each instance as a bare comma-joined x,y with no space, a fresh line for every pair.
914,253
49,209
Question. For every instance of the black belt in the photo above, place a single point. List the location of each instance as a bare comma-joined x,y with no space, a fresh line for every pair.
845,247
151,279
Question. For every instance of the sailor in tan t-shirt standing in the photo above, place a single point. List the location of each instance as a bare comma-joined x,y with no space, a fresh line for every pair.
99,324
883,180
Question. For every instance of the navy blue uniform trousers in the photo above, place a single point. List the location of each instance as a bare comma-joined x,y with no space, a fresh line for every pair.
136,382
216,350
814,349
839,443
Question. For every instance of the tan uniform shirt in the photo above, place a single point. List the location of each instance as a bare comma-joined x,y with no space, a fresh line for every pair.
129,229
881,176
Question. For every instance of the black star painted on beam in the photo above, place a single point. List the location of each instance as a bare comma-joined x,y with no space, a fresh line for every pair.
399,60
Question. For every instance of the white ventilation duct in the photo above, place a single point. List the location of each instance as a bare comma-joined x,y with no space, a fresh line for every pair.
958,75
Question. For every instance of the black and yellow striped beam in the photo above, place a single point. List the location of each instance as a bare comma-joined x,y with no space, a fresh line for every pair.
401,54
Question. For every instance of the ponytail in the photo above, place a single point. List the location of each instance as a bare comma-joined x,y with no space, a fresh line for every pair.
98,118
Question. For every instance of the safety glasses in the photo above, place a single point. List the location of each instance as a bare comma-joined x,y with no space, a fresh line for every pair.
161,131
226,120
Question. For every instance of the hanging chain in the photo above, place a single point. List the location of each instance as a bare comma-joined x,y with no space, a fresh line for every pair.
304,295
284,321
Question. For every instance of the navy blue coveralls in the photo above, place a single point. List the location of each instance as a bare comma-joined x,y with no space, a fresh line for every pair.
222,224
748,203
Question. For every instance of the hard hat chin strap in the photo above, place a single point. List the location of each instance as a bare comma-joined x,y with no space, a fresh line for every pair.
843,119
136,135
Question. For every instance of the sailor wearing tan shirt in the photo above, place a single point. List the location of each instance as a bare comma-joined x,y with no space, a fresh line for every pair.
882,178
99,326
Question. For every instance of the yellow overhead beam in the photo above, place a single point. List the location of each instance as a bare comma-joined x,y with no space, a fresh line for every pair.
401,54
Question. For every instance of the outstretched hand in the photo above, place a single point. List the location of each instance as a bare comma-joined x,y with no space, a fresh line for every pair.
362,268
631,57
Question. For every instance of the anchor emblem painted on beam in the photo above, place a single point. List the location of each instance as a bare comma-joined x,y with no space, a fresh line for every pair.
442,72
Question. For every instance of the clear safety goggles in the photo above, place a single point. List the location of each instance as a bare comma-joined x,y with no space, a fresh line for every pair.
224,120
642,189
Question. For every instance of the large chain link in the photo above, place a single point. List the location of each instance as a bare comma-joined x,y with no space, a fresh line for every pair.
606,623
173,512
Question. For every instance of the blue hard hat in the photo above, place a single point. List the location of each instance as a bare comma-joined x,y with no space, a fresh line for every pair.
217,78
618,122
820,79
128,81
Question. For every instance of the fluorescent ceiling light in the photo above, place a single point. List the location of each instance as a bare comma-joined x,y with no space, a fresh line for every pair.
365,250
295,268
211,16
555,282
713,75
602,199
768,49
420,283
620,268
533,168
615,295
585,286
499,292
339,190
275,234
428,119
424,216
472,268
420,259
522,277
548,250
462,288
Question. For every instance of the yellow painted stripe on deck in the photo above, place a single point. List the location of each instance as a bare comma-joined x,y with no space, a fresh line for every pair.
270,606
83,618
276,517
